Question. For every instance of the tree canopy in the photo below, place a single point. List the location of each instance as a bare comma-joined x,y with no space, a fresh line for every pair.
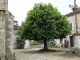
43,22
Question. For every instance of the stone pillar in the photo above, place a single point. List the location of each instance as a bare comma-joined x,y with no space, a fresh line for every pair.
2,35
9,34
2,29
6,31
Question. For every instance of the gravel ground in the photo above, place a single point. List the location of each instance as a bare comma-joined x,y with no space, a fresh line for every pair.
33,54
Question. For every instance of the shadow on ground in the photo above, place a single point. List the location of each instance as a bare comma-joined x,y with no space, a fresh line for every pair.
37,52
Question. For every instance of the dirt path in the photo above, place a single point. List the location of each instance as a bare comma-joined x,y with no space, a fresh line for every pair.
33,54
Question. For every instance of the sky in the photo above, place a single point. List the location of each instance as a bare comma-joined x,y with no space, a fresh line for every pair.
19,8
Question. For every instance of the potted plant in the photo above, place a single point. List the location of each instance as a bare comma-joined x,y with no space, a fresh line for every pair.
67,46
62,45
56,46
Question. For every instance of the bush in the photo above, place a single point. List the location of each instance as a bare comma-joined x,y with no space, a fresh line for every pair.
40,41
33,42
49,45
20,43
56,46
6,57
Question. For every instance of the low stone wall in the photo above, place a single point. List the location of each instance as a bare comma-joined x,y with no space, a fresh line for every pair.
74,51
37,46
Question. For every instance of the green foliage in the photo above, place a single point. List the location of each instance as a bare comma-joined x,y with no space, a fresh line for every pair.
50,46
40,41
14,55
6,57
43,22
62,44
33,42
56,46
36,42
20,43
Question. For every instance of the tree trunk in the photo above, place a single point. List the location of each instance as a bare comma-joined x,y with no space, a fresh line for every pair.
45,44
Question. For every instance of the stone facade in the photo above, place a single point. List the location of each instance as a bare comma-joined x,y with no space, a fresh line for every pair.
37,46
58,43
6,30
15,30
27,42
2,34
76,36
9,34
71,19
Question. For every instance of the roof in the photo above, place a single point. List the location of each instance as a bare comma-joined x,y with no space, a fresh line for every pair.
71,13
16,27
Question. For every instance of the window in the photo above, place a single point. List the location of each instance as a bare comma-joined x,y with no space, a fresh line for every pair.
14,40
71,25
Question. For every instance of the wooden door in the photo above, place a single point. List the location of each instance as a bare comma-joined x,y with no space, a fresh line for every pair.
71,41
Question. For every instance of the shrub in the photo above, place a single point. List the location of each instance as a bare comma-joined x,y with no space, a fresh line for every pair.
6,57
49,45
20,43
33,42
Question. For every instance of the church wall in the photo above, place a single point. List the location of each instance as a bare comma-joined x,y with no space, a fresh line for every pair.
6,30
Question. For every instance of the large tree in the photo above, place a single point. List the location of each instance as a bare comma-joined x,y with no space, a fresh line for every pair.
43,22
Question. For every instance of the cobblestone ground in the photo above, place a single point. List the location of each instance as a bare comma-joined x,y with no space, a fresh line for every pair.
33,54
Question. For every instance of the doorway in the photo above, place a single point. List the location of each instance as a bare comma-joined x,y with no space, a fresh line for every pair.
71,41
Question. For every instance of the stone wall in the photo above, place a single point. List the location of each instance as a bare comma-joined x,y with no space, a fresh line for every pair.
71,19
9,34
76,39
2,34
37,46
6,30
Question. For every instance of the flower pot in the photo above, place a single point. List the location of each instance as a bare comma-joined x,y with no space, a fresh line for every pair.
62,46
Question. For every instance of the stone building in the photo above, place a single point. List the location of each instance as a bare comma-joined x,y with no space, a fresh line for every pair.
59,42
15,30
16,27
6,30
74,38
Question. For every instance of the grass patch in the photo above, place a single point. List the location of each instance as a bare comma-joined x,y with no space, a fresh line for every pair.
47,50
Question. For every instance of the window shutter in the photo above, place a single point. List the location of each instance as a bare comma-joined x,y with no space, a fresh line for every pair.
14,40
72,27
